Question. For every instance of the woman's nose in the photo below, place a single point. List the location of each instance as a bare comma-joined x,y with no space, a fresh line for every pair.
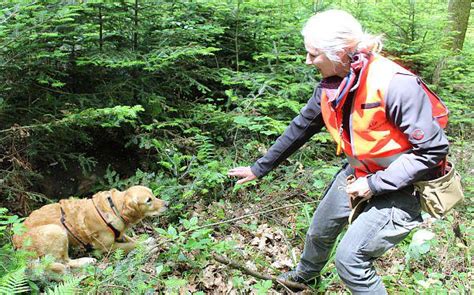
309,60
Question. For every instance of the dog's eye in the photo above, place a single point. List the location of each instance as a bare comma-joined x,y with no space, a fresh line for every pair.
148,201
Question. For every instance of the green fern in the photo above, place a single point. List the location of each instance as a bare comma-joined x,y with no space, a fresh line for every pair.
14,282
68,286
119,254
205,148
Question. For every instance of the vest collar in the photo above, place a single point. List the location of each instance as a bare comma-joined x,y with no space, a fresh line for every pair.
358,69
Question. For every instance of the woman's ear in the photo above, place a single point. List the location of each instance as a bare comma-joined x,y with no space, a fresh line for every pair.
345,56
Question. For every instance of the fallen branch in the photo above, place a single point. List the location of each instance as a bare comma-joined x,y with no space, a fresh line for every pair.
233,264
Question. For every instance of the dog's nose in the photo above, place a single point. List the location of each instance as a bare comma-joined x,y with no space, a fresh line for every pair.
166,203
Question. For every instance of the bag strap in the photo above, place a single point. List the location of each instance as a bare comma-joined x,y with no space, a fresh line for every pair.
444,163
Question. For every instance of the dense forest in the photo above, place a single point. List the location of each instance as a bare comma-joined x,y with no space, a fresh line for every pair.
170,94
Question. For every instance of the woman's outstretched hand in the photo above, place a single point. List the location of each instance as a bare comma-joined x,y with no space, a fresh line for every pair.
244,173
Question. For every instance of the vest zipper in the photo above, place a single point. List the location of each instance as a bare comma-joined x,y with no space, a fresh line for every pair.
339,143
351,130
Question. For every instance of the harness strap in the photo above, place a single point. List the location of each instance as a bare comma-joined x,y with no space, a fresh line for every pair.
114,230
442,167
88,247
114,208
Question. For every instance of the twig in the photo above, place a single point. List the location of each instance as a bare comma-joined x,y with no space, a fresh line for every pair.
248,215
154,249
189,167
290,248
233,264
278,200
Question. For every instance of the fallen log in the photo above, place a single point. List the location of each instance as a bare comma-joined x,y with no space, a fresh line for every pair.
244,269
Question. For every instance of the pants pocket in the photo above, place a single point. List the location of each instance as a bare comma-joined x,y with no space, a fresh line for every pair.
399,226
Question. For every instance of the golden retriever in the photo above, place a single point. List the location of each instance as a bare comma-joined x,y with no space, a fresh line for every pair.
96,223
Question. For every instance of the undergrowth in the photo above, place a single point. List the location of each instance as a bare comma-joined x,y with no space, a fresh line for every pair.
190,89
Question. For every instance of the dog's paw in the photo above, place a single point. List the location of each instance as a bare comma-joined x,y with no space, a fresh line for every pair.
80,262
89,260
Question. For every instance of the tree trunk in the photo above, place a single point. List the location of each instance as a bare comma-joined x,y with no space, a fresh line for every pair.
459,11
135,32
101,28
236,36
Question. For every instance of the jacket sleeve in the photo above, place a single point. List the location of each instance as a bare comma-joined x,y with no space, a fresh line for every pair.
301,128
409,108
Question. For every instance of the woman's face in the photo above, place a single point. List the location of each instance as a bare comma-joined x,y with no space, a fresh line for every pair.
326,67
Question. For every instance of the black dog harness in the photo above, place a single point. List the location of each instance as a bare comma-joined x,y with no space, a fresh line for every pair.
114,230
114,208
88,247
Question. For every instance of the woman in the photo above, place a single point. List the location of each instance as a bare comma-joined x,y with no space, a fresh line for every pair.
382,117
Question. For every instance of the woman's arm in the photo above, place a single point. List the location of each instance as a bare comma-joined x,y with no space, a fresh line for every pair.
301,128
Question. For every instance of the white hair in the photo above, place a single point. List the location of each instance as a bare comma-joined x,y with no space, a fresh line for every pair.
336,31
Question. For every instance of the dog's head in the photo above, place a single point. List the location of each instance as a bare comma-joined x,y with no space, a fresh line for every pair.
140,202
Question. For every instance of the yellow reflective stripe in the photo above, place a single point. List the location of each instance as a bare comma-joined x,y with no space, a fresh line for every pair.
386,161
354,162
382,162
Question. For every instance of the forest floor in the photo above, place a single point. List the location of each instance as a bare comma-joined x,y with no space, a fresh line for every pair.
266,235
265,241
265,232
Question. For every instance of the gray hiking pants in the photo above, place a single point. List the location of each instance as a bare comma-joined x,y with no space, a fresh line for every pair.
386,221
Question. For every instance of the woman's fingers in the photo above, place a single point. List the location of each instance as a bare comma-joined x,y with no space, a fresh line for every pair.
240,172
246,179
245,173
359,188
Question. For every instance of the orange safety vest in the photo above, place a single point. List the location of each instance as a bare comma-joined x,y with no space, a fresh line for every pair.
374,141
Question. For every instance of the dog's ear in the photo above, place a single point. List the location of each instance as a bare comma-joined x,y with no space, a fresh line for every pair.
135,200
130,206
130,199
116,193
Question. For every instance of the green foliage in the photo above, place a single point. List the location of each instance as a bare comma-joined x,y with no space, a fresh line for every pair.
191,246
12,263
9,224
68,286
410,29
262,287
14,282
120,273
420,245
171,94
456,88
173,285
304,220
